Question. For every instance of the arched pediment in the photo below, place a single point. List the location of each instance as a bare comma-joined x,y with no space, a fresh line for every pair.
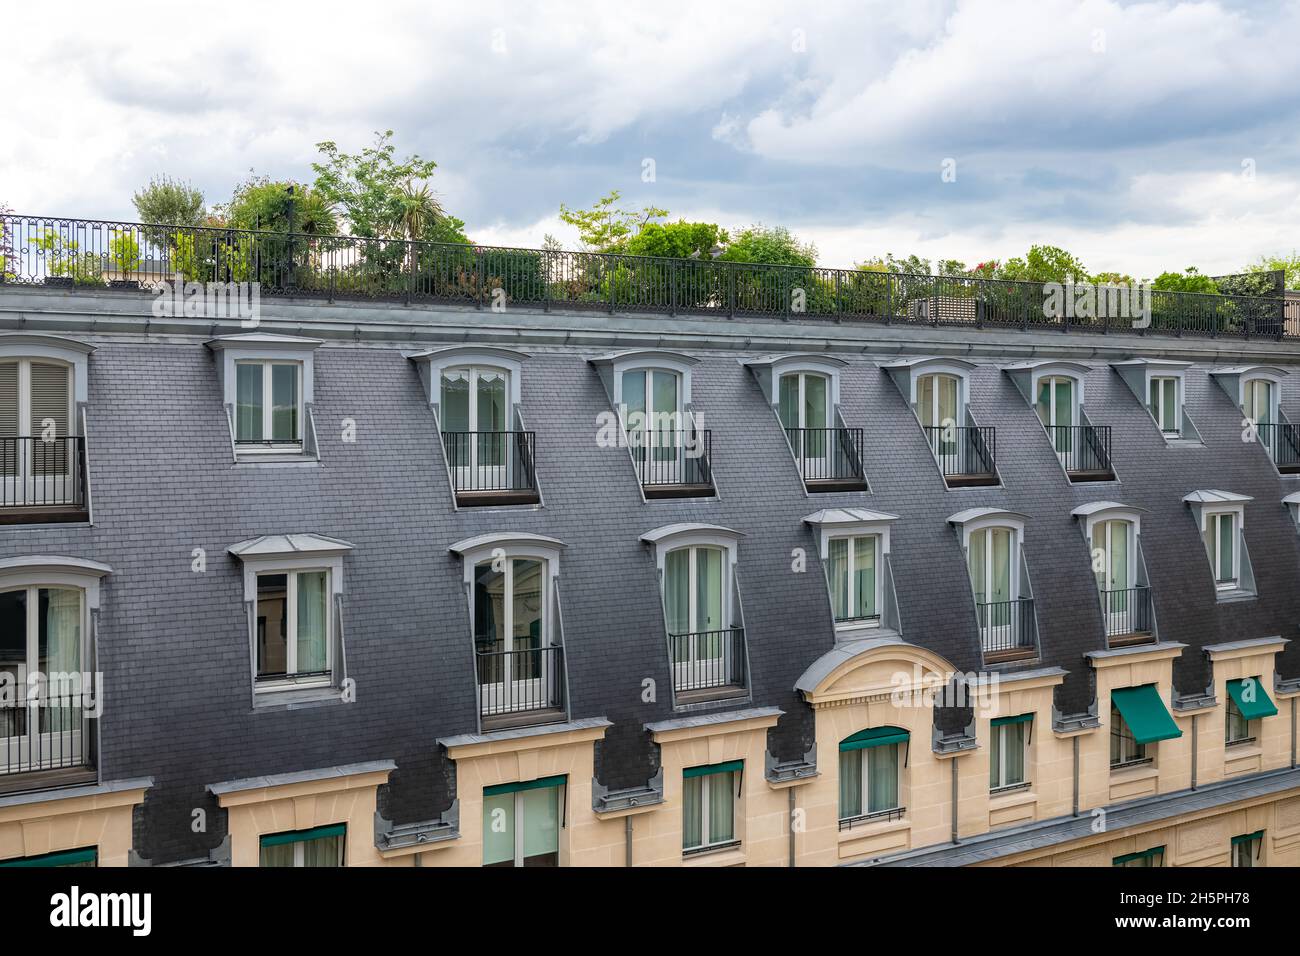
872,667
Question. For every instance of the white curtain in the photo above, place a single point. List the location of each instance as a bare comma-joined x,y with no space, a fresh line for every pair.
312,609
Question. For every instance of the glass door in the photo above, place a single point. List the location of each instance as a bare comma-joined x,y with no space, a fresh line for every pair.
655,426
1164,404
1259,407
937,400
476,423
37,454
694,607
1112,548
41,632
805,412
510,635
991,578
1057,411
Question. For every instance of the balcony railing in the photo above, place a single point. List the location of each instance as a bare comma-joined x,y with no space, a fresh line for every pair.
1006,627
708,660
1084,450
1282,441
49,733
967,454
673,461
828,456
489,466
520,682
41,474
1127,611
90,254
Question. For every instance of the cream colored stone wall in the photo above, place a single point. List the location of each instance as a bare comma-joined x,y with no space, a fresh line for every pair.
102,821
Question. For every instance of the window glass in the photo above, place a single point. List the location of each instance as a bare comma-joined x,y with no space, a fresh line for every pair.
851,783
499,830
788,401
313,604
248,402
882,777
1238,727
815,401
272,625
838,570
284,403
677,584
455,400
864,569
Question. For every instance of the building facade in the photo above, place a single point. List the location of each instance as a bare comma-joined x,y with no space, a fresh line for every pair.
378,583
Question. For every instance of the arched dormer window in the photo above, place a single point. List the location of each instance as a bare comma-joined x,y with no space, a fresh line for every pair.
43,389
938,391
991,539
475,396
1113,533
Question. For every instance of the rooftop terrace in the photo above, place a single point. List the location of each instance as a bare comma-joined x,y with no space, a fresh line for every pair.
97,254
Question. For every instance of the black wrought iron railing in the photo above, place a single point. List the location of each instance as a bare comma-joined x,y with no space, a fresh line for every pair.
47,733
665,457
827,454
295,677
893,813
90,253
1083,449
1005,626
963,451
1283,444
41,473
704,660
520,680
491,461
1127,610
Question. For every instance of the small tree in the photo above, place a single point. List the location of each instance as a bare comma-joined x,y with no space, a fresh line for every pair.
606,227
170,202
1188,281
678,240
1287,263
770,245
124,253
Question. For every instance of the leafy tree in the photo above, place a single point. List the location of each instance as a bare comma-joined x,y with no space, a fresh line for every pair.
1044,264
382,197
678,240
1189,281
1288,264
279,206
170,202
606,227
770,245
910,265
124,253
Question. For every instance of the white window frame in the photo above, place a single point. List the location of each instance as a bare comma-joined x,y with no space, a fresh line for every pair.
257,347
1002,730
1177,381
865,783
544,632
269,444
1054,373
706,784
1013,550
1235,514
290,681
1249,384
879,538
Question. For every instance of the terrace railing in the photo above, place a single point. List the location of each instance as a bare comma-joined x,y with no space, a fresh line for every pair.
102,254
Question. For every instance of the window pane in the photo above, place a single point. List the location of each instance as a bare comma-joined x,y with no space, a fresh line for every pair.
248,402
948,400
455,400
788,401
1014,741
692,812
527,624
864,570
13,657
313,606
1064,402
1044,404
925,400
1119,563
677,584
489,621
324,851
838,569
541,826
281,854
815,401
722,807
995,757
284,402
1226,542
851,783
708,590
664,418
882,777
1170,406
272,624
1001,564
499,830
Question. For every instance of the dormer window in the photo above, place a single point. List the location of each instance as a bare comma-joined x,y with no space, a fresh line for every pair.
1004,610
1112,531
1160,385
475,396
854,545
42,449
651,394
804,392
1055,389
938,392
267,384
1221,518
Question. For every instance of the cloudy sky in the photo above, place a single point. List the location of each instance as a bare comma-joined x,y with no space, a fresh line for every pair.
1141,136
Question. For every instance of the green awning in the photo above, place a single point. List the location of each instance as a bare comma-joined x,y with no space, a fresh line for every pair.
874,737
1140,855
541,783
1145,713
302,836
1251,698
1018,719
731,766
1247,837
65,858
